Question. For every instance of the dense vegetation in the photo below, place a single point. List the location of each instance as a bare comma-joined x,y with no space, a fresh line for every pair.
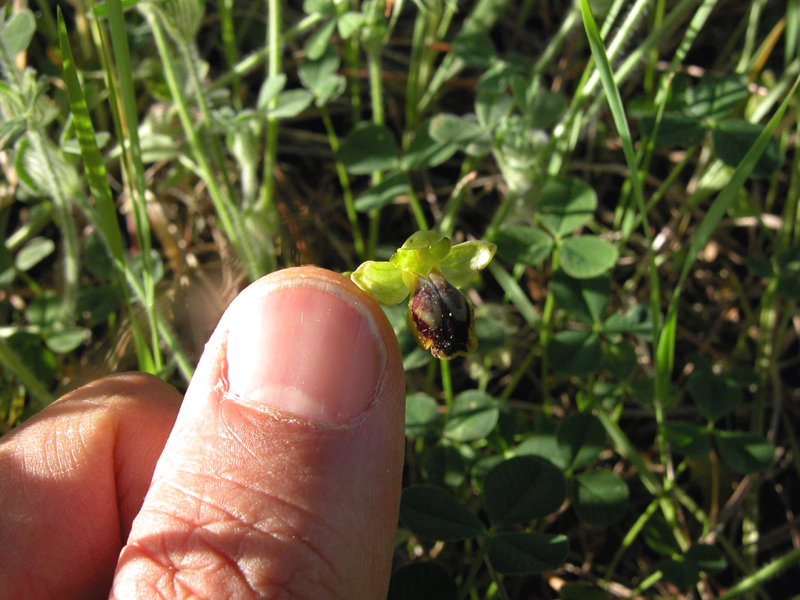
628,424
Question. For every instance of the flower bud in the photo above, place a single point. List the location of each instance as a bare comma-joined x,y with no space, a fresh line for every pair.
440,317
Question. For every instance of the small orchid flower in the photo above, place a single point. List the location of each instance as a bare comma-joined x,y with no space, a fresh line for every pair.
427,265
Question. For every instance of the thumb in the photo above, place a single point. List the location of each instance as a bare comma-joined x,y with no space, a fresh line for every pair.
281,478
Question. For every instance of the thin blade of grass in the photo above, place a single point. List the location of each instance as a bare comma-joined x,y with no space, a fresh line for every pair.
10,359
515,293
621,122
92,160
713,216
129,135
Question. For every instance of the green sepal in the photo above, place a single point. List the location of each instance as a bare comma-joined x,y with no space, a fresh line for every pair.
464,261
383,281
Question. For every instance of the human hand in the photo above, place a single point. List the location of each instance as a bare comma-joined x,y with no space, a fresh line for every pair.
280,477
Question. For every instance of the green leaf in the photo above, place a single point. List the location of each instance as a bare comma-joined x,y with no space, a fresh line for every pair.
290,104
98,261
319,76
715,96
18,31
270,89
543,445
473,416
584,300
66,340
527,553
587,256
745,452
422,415
600,497
442,465
95,304
574,352
319,41
422,581
547,108
491,107
475,48
581,439
565,204
481,468
581,591
733,139
32,253
682,574
381,280
523,488
433,514
715,395
319,7
643,392
460,131
621,359
689,440
465,260
523,245
11,130
675,130
490,334
706,558
369,148
425,151
638,320
44,310
349,23
659,536
382,194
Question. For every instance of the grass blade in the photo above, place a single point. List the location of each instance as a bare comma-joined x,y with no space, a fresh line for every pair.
713,216
620,120
92,160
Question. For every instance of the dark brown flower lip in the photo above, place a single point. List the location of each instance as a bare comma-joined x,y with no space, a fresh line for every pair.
441,318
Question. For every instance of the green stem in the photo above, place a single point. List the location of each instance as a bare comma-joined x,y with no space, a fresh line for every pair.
416,209
229,46
274,69
344,181
763,574
447,383
477,561
376,95
448,223
233,227
646,584
191,59
631,536
249,63
163,329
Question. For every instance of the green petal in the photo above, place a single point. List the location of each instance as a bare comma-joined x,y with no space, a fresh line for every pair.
421,252
430,240
381,280
464,261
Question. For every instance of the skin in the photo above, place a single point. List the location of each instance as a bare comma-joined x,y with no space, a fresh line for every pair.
120,489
